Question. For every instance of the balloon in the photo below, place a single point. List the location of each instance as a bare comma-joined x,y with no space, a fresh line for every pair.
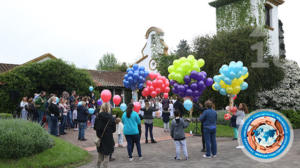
187,79
91,88
79,103
152,75
136,106
222,91
91,110
166,95
189,92
105,95
158,90
227,108
229,90
117,99
142,68
99,102
188,104
209,82
135,67
123,107
234,97
167,89
159,83
172,82
194,86
201,63
57,100
153,94
244,86
233,109
227,116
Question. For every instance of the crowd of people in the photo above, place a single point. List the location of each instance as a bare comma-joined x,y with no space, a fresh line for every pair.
71,111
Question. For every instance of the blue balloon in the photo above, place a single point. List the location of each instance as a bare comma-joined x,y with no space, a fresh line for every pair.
232,75
217,86
79,103
123,107
146,74
141,73
142,68
142,79
227,81
130,73
91,88
141,85
91,110
188,105
223,91
135,67
130,79
244,86
135,76
217,78
244,70
57,100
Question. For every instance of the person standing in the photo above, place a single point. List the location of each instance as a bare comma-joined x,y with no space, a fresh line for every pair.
40,104
240,115
179,106
148,121
82,117
24,107
54,113
64,112
119,128
166,114
105,126
209,120
32,114
177,133
201,110
131,120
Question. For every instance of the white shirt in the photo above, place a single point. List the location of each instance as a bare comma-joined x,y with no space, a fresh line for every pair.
171,109
119,128
23,104
74,114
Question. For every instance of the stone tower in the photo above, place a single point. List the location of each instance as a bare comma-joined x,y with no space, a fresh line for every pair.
233,14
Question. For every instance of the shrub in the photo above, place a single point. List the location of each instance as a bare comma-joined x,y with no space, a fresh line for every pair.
20,138
293,116
5,116
117,111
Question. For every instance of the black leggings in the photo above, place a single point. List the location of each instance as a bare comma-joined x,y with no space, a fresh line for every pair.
202,133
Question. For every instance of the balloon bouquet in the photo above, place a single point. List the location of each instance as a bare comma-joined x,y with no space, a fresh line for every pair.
157,85
230,82
187,78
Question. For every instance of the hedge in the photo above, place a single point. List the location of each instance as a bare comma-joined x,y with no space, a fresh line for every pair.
6,116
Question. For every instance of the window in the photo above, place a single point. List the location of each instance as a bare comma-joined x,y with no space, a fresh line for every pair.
268,15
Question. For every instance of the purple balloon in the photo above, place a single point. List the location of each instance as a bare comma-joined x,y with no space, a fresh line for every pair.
99,102
204,74
186,86
181,88
199,76
182,94
187,79
189,92
174,90
194,74
201,85
196,93
195,99
209,82
194,86
172,82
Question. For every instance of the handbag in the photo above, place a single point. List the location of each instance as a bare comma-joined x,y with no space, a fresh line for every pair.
98,143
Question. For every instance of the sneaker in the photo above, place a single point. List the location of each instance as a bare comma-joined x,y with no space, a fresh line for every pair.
207,157
214,156
240,147
83,139
146,141
176,158
153,141
112,159
130,159
75,129
141,158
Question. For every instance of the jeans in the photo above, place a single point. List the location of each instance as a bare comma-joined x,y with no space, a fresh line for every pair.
103,159
69,119
41,115
93,118
150,128
178,146
166,126
62,125
131,139
210,141
24,114
82,126
120,139
53,128
49,121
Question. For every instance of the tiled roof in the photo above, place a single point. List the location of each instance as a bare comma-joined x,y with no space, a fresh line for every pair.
5,67
107,78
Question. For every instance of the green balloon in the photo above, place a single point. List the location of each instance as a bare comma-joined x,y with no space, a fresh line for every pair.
176,63
201,62
171,68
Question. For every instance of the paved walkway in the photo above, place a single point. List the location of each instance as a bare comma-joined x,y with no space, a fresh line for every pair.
161,155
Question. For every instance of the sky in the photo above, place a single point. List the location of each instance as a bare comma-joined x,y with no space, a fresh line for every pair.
81,31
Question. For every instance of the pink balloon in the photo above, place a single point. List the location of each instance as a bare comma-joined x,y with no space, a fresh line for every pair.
167,89
166,95
105,95
158,90
152,75
136,106
151,88
227,116
147,91
144,93
149,83
159,83
117,99
153,94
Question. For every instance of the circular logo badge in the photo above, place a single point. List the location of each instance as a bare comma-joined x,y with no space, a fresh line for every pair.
266,135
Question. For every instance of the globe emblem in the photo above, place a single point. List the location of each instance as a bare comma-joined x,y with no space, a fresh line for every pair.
265,135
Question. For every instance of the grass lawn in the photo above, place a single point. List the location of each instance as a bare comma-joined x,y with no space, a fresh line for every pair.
63,154
222,130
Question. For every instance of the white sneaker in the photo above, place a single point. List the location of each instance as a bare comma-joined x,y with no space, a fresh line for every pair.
130,159
240,147
75,129
207,157
214,156
141,158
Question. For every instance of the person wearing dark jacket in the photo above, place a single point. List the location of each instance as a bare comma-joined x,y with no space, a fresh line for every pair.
166,114
54,113
148,120
209,120
82,117
201,109
105,126
177,133
179,106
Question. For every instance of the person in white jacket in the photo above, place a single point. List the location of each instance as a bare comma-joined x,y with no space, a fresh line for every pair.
240,115
23,106
119,131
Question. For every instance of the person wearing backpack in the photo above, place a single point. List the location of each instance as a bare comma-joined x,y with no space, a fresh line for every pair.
105,126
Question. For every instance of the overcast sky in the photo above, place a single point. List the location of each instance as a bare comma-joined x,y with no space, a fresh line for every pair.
81,31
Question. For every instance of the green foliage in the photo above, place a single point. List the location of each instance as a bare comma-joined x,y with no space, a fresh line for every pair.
52,76
63,154
21,138
117,111
183,49
293,116
109,62
6,116
218,3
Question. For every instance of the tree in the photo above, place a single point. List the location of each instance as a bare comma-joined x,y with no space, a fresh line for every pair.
183,49
109,62
52,76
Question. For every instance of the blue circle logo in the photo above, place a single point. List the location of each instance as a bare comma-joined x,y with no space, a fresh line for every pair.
266,135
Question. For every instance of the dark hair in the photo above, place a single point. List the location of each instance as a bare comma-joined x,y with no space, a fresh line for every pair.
129,110
176,113
245,108
146,101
